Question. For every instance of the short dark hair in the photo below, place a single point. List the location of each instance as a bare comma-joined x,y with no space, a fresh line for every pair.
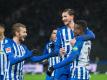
81,24
70,11
16,27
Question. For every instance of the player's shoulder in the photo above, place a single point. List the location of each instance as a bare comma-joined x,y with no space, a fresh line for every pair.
78,45
23,45
48,43
8,40
61,27
88,42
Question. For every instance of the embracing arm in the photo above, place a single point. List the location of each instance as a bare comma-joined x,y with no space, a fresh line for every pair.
89,35
68,60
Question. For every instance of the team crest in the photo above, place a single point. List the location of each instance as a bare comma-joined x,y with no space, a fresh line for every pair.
8,50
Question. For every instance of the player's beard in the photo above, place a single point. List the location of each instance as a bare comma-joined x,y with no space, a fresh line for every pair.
22,38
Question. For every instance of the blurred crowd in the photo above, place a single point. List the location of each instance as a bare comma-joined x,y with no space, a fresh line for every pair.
42,15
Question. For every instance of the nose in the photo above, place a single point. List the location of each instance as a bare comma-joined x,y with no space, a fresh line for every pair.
63,18
26,34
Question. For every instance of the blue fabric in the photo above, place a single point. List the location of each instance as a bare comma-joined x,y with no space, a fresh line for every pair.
64,77
81,73
1,77
40,58
49,77
46,55
10,54
58,42
77,48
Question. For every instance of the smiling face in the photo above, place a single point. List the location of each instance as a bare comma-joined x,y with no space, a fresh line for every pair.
19,31
67,18
22,33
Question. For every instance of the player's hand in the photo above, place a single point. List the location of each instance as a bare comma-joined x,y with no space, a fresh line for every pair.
62,51
50,70
72,41
34,52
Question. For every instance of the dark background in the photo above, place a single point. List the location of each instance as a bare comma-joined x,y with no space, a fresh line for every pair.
41,15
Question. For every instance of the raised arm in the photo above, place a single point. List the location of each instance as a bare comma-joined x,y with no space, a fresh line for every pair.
45,55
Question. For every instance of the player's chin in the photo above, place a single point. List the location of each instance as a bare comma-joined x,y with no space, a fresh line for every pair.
22,39
66,23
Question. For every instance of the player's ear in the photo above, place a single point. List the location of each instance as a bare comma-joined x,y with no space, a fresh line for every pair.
16,33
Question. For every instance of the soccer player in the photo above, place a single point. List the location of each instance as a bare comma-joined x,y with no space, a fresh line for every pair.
16,53
49,49
79,56
64,35
3,58
62,44
52,60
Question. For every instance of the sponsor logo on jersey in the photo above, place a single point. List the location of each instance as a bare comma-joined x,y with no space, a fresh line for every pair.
75,48
8,50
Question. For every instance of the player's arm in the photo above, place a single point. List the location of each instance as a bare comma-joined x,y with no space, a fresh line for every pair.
11,56
74,53
53,54
45,55
89,35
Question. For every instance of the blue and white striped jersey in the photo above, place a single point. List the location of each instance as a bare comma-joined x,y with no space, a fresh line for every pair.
15,72
64,35
79,58
83,59
52,60
79,65
3,56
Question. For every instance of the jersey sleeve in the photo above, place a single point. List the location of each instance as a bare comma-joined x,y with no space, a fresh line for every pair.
74,53
11,54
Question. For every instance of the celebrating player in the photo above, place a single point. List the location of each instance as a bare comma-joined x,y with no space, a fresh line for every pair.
64,36
79,56
16,53
3,56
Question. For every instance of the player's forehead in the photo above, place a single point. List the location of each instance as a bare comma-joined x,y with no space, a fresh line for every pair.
54,32
64,14
22,29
